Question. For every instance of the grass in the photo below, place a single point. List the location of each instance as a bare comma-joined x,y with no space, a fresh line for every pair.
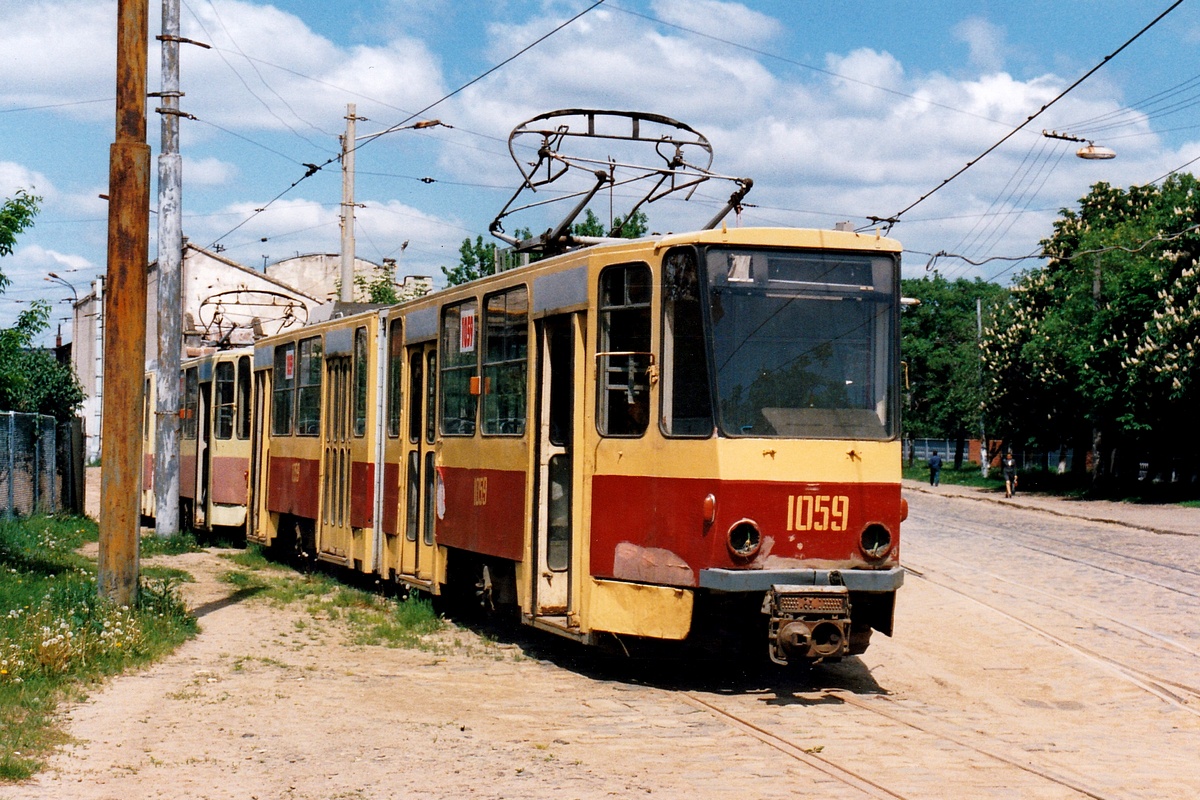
1050,482
374,619
58,636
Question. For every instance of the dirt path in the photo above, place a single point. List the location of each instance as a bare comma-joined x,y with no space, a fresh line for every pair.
270,702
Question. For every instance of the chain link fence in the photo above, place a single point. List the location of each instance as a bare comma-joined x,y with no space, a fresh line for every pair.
41,465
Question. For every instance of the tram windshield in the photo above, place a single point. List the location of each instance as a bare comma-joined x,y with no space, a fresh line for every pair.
803,343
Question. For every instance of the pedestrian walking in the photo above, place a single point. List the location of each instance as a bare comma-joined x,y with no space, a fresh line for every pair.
935,469
1008,465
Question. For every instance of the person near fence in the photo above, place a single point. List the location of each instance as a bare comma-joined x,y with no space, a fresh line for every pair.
935,469
1008,465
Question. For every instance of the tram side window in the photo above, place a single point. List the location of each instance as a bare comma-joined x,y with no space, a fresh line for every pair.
505,355
308,388
360,381
146,413
460,382
224,399
430,397
191,401
624,350
686,394
395,378
284,383
243,398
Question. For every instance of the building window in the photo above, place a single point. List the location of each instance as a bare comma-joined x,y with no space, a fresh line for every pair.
624,350
283,389
308,388
505,355
460,379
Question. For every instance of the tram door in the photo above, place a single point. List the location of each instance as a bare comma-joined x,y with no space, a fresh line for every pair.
258,455
335,538
558,339
420,467
203,455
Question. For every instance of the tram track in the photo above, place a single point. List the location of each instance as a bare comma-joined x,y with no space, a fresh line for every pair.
1169,691
824,765
907,718
940,523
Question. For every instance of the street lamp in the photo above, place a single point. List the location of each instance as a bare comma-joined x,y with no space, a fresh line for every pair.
1091,151
55,278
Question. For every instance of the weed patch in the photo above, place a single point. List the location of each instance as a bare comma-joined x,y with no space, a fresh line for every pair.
58,635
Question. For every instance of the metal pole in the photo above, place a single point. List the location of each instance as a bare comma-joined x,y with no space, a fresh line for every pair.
983,443
347,291
170,307
125,333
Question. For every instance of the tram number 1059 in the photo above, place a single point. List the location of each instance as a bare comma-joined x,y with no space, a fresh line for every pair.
818,512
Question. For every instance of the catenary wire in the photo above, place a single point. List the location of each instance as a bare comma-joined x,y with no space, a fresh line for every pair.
894,218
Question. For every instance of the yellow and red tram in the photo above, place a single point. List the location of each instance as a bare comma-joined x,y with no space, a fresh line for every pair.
214,440
652,438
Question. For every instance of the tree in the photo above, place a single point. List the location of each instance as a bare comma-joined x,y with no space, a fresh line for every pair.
16,214
477,259
940,348
31,379
1100,342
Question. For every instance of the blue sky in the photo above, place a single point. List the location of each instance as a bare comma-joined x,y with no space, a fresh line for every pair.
837,111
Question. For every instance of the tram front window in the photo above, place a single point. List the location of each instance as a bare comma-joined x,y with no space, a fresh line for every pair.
804,343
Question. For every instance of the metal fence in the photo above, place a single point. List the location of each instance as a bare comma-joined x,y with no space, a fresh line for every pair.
919,450
39,469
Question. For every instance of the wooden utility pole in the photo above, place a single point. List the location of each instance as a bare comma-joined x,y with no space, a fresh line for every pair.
125,312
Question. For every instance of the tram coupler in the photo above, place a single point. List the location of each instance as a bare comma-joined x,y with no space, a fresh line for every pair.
809,623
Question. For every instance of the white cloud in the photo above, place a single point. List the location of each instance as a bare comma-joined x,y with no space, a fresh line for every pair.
268,71
730,21
15,176
58,52
985,41
208,171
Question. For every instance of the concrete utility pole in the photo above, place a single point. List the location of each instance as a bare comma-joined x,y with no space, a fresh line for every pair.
347,275
348,147
125,331
170,258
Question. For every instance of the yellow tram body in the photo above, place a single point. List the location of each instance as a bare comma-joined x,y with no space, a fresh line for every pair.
215,417
570,438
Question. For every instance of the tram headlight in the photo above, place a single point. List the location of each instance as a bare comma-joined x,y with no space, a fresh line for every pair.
875,542
744,539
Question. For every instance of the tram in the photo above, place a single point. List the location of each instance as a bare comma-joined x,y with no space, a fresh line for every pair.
682,437
214,441
640,439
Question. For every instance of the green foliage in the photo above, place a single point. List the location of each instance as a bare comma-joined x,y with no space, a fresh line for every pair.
31,379
941,354
57,633
477,259
16,214
1105,334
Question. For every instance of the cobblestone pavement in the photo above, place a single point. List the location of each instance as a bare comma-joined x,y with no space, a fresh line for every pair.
1164,518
